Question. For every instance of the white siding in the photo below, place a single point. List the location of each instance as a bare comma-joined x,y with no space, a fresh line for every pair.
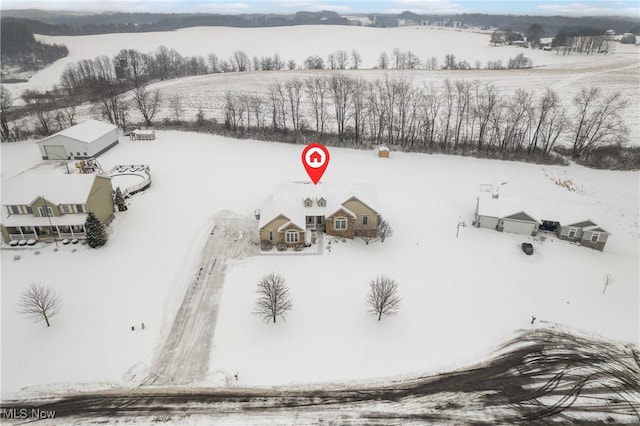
487,222
73,146
517,227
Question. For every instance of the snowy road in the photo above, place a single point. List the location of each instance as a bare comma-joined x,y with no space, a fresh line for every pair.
544,376
184,357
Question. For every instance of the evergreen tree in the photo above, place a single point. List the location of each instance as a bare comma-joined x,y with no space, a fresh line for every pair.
96,234
119,200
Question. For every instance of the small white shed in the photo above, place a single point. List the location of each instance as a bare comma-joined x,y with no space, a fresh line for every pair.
142,135
88,139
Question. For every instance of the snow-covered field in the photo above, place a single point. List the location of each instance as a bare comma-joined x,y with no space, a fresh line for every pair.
461,297
298,43
617,71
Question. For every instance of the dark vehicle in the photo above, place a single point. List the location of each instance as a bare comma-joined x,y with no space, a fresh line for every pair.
527,248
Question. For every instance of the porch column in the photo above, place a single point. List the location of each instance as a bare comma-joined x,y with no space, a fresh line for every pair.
58,231
71,229
35,232
20,231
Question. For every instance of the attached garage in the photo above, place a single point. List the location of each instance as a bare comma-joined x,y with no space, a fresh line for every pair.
505,215
520,223
85,140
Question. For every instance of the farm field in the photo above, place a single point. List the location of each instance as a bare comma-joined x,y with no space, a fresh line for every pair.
297,43
462,297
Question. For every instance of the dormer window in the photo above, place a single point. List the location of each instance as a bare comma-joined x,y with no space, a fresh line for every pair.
308,202
322,202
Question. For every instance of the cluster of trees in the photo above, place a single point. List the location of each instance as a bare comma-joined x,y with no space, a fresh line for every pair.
459,115
20,49
274,299
587,40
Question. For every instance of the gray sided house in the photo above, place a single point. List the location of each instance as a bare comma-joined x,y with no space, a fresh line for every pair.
586,233
88,139
504,215
50,206
296,212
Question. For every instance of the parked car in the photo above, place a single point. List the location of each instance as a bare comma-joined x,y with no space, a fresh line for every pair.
527,248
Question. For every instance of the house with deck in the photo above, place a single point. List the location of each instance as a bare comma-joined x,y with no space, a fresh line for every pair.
295,213
50,206
85,140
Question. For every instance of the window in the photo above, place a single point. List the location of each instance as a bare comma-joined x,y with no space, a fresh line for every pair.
365,219
14,210
80,208
270,234
322,202
65,208
340,223
594,237
292,236
85,154
77,154
572,232
308,202
29,210
45,211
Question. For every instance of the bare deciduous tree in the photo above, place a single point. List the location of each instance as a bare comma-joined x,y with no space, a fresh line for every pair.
383,298
176,107
6,102
39,302
273,297
147,103
384,230
598,121
356,59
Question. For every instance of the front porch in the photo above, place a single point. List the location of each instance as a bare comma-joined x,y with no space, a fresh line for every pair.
47,233
316,223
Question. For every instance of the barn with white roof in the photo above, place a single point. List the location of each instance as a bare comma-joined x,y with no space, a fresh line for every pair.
85,140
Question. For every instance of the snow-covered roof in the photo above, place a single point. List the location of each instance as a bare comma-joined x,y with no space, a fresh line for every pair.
87,131
503,207
144,132
383,148
56,188
288,200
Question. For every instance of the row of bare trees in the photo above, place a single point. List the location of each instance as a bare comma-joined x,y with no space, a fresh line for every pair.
468,115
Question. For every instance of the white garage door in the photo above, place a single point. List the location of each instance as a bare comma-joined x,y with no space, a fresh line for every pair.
518,227
55,152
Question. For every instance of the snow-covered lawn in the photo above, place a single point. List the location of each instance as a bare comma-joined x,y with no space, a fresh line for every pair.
461,297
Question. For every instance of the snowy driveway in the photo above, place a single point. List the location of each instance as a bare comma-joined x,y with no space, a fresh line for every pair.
185,355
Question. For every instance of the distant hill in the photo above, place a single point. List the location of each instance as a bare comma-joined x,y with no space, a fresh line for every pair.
82,23
21,50
78,24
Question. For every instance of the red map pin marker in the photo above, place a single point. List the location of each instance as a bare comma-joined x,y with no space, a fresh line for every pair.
315,159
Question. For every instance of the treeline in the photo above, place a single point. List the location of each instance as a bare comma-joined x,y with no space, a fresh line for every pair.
146,22
19,48
456,117
585,40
